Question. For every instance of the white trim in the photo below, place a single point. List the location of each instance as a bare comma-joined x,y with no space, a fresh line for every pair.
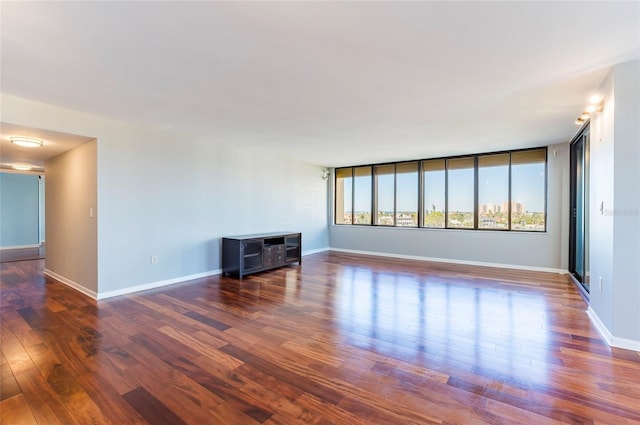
315,251
71,283
604,332
614,341
158,284
452,261
167,282
19,247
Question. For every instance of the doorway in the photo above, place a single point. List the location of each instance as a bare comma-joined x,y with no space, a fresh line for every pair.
579,209
22,216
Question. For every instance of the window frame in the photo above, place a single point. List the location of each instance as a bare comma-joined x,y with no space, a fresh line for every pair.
422,201
354,175
421,197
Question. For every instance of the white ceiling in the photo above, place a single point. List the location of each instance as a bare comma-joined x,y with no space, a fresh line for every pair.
330,83
54,143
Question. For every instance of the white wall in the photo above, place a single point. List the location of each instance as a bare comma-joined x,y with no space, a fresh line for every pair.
71,233
546,251
626,215
174,196
615,173
601,191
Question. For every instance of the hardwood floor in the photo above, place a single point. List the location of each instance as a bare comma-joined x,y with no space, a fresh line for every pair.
22,254
343,339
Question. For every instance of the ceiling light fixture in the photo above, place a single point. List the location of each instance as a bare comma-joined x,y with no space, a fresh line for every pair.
596,104
27,142
21,167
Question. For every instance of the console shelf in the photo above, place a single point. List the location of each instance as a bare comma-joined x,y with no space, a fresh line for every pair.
245,254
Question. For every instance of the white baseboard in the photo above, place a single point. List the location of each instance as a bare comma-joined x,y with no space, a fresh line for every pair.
19,247
315,251
71,283
627,344
180,279
145,286
452,261
158,284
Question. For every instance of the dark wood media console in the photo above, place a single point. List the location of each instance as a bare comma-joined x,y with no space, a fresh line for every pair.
242,255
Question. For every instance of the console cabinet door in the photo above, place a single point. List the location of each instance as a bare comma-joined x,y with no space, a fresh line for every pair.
251,256
292,243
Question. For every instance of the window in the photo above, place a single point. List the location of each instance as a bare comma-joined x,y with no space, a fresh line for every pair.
362,195
493,191
385,191
344,198
407,194
460,193
433,195
528,187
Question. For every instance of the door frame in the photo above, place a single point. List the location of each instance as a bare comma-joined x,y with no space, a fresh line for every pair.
579,276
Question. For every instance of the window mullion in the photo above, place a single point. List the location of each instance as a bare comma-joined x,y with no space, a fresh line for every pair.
420,217
446,194
395,195
475,193
353,194
509,197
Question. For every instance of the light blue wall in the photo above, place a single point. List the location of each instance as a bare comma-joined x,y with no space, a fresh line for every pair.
19,221
626,207
176,200
42,208
174,195
615,229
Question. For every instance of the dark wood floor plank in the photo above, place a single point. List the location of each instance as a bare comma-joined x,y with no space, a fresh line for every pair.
45,406
207,320
344,339
151,409
109,400
192,402
299,380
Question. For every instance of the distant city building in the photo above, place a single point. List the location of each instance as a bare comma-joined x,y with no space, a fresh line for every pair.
405,220
487,222
490,208
516,207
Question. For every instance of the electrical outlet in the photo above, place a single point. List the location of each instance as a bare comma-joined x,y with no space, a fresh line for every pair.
600,283
154,259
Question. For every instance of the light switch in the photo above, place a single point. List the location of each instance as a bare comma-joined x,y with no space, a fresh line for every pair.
90,212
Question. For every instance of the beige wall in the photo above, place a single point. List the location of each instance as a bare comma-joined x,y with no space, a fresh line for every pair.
71,232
